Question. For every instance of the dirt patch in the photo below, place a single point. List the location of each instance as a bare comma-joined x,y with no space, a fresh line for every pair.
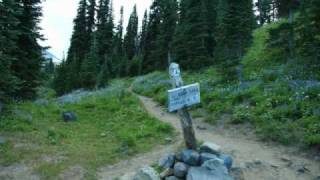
257,160
73,173
17,172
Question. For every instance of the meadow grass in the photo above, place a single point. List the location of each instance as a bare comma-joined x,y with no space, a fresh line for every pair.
110,127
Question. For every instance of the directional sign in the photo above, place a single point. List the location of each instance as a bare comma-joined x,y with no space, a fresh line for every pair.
184,96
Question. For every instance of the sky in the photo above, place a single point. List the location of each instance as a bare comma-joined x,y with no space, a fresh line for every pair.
58,15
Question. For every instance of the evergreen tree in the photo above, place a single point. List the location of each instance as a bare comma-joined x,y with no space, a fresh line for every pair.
117,54
27,63
91,18
235,26
9,11
130,39
59,79
105,27
167,26
194,39
307,39
89,68
78,47
151,36
49,67
264,8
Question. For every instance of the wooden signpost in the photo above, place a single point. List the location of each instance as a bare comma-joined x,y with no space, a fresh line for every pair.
181,97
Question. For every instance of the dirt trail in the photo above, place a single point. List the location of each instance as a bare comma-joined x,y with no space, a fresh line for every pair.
258,160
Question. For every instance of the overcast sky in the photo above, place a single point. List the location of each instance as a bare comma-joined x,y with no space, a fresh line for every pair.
58,15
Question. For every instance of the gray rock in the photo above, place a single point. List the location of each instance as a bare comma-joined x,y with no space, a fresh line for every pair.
172,178
206,156
201,173
69,116
190,157
211,170
2,140
147,173
167,161
227,160
212,148
180,169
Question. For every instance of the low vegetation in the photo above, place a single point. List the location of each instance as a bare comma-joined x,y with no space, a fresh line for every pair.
281,108
111,125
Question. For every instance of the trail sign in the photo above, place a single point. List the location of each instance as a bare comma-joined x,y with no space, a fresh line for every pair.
184,96
181,97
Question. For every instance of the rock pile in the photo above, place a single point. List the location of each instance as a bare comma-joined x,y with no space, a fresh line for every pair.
209,163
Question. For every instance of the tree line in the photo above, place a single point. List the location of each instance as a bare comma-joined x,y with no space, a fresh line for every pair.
196,34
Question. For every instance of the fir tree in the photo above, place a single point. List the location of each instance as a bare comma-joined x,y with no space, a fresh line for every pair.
9,11
28,57
117,54
152,33
59,79
167,26
130,38
194,40
91,13
89,68
78,47
235,26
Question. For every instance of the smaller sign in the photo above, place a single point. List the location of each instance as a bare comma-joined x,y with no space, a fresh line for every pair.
184,96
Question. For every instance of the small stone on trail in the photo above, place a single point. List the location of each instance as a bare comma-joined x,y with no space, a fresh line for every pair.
168,140
210,148
167,161
147,173
180,170
2,140
69,116
201,127
237,173
190,157
301,169
166,173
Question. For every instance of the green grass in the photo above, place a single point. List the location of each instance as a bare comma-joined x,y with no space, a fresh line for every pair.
277,111
110,127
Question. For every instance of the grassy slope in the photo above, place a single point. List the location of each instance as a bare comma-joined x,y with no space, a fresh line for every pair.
278,111
110,127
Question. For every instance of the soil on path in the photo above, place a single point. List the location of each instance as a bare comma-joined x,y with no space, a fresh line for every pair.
256,159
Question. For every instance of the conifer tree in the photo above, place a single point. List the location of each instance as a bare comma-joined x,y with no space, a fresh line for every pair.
167,26
264,8
89,68
60,77
117,54
152,33
78,47
235,26
194,40
9,11
130,38
91,13
27,63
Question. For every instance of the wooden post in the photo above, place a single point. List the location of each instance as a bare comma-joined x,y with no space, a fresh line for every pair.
185,118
